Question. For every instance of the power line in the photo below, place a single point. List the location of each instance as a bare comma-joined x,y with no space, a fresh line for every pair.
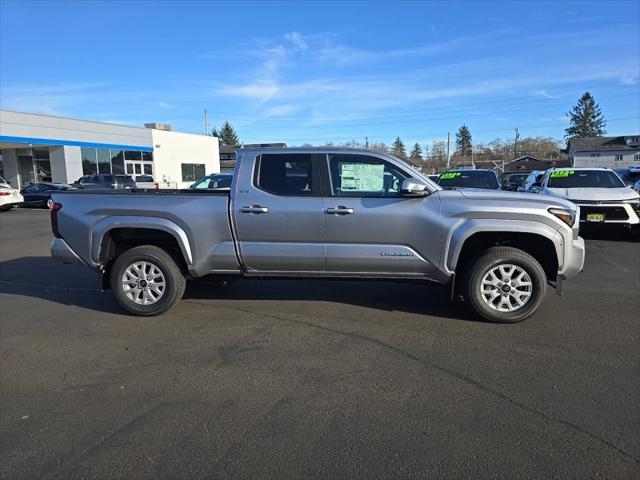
439,134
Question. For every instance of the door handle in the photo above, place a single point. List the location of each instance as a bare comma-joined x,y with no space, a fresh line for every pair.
340,210
255,209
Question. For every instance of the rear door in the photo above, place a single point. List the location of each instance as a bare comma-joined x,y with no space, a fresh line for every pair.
370,228
277,213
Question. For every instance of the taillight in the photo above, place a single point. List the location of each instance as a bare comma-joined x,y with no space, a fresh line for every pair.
2,194
157,185
55,207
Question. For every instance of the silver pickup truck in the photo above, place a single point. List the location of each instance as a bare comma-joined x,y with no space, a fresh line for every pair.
323,213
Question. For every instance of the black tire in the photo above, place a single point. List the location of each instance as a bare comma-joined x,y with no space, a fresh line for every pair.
495,257
174,280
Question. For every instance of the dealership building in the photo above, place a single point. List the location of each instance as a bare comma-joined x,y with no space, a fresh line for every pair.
35,148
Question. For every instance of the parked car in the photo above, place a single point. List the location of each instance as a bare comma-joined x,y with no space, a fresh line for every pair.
214,182
512,181
105,181
343,218
532,182
9,196
602,197
472,178
629,175
39,194
636,186
145,181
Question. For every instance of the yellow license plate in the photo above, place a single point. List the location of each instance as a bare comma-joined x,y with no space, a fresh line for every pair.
595,217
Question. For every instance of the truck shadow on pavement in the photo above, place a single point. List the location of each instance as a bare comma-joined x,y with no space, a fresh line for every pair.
42,277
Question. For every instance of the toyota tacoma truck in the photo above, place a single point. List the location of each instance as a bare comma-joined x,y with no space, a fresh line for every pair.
318,213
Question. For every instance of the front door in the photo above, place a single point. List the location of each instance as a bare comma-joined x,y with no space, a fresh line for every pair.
370,228
278,214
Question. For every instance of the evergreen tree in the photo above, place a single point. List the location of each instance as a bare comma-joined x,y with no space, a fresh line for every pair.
397,149
416,154
463,141
228,135
215,133
585,119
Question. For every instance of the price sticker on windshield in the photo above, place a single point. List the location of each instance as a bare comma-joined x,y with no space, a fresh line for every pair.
449,175
562,173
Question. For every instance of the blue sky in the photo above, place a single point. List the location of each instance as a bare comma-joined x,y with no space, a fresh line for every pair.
326,71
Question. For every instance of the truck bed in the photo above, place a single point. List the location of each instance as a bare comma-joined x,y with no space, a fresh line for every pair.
181,213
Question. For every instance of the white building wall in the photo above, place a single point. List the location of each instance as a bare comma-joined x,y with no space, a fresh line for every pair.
47,127
605,159
172,149
66,164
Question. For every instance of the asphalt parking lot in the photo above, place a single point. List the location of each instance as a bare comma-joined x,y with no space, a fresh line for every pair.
286,379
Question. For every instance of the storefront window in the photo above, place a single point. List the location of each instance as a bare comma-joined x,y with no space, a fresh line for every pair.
89,161
43,170
192,171
117,161
104,160
147,156
132,155
41,153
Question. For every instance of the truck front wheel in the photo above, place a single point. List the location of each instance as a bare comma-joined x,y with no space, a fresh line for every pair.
146,281
505,285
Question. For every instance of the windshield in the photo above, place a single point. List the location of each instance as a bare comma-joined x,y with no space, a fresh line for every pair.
469,179
584,179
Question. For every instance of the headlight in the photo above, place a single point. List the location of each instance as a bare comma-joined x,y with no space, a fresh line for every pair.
634,201
566,215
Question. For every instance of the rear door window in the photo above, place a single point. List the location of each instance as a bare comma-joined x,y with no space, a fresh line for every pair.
289,174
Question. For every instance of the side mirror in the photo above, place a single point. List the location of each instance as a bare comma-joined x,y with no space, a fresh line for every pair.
535,189
414,187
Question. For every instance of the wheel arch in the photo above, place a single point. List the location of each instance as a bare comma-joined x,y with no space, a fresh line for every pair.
540,241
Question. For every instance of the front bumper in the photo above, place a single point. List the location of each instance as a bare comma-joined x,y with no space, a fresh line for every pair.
62,252
574,259
614,213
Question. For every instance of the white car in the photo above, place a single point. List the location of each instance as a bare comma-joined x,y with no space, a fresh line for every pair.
602,196
145,181
9,196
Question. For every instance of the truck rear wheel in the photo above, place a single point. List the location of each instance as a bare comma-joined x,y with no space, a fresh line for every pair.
146,281
505,285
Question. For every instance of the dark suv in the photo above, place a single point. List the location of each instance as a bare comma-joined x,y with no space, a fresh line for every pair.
105,181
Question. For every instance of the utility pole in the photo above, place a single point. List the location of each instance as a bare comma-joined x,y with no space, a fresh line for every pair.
206,122
366,142
472,163
448,149
515,145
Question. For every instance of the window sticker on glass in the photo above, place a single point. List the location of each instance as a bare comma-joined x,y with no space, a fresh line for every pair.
449,175
562,173
361,177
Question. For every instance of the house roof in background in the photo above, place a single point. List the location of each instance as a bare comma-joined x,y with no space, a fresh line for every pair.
594,144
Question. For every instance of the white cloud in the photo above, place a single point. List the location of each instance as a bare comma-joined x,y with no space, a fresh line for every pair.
629,78
261,91
164,105
543,93
281,110
296,39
